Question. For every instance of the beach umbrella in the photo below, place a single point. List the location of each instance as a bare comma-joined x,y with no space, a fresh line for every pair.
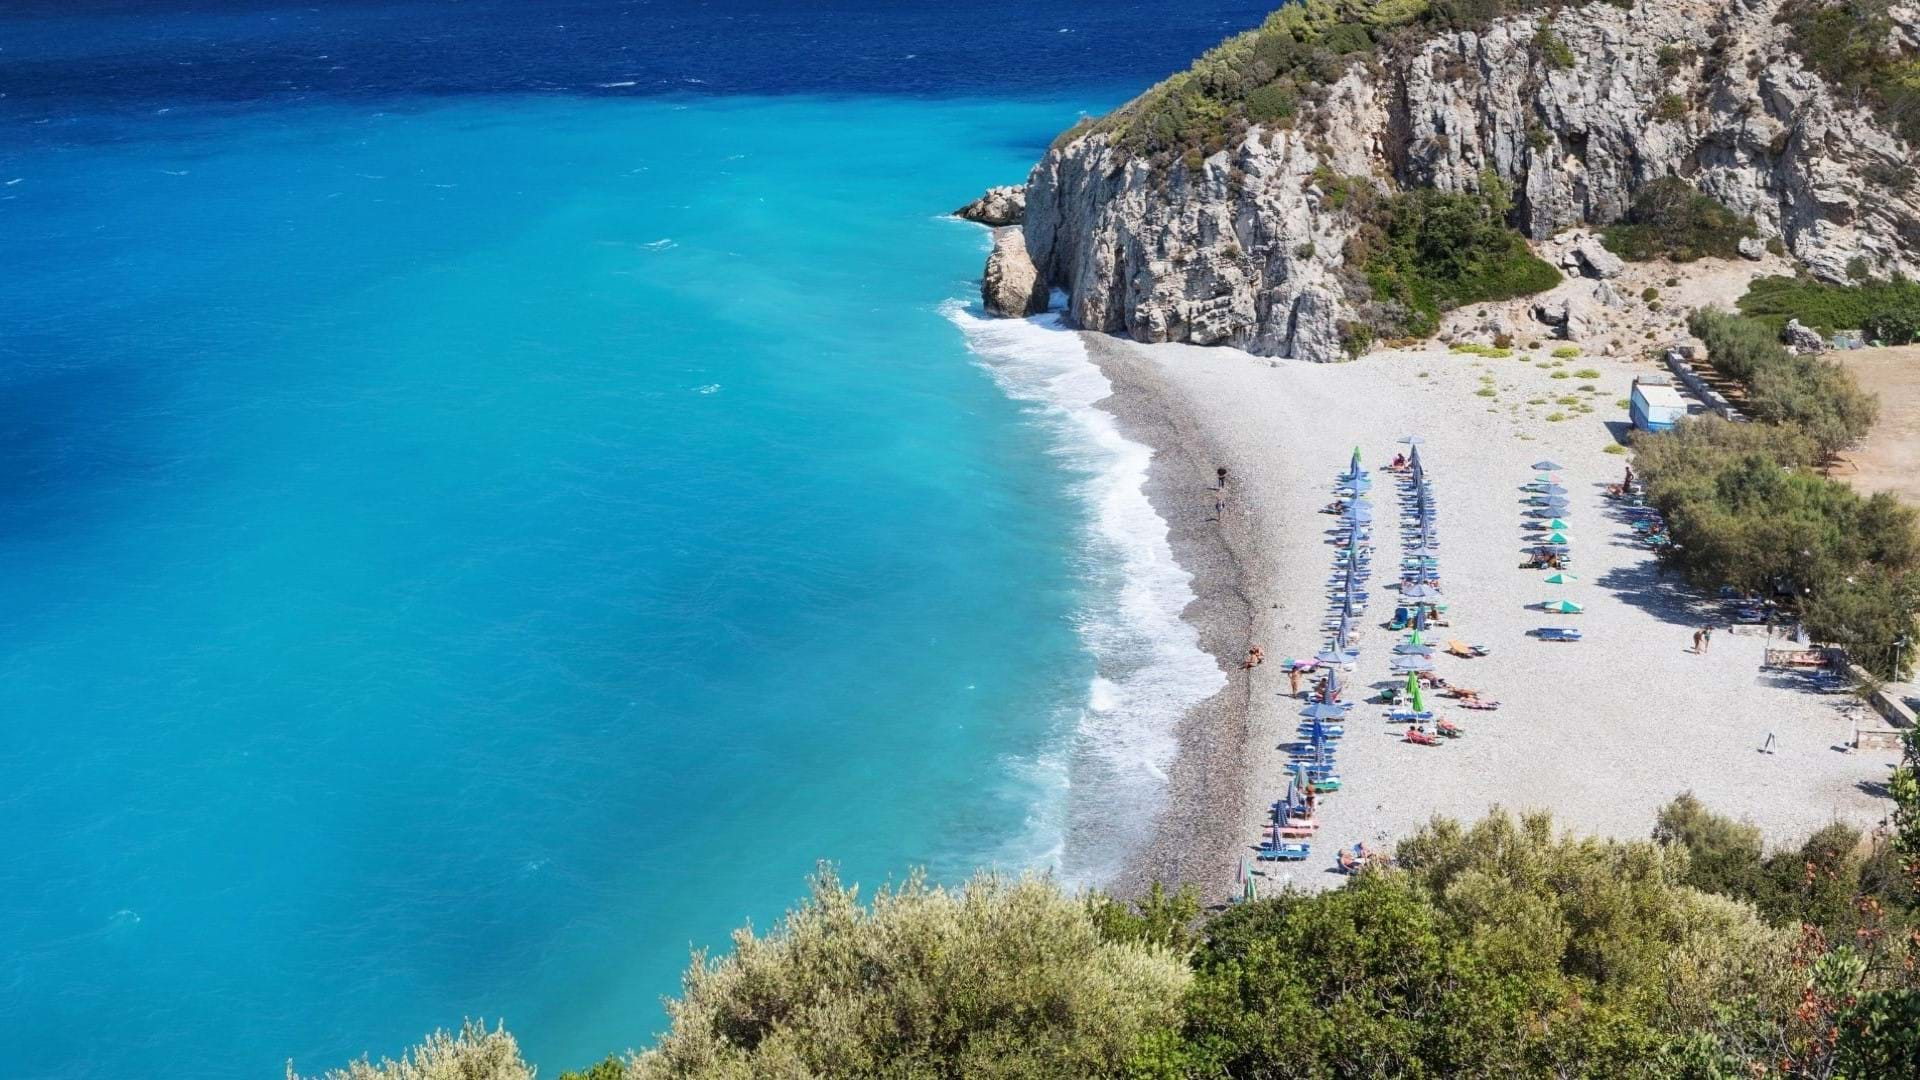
1557,538
1414,638
1563,607
1413,693
1561,579
1419,592
1555,503
1323,710
1246,876
1412,440
1546,466
1411,648
1554,489
1332,656
1556,523
1412,663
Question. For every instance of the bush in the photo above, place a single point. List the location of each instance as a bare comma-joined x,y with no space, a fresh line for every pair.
1743,509
1816,396
1000,978
1886,311
1669,219
1566,352
474,1054
1432,251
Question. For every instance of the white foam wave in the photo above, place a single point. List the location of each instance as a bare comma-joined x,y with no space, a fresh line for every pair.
1105,782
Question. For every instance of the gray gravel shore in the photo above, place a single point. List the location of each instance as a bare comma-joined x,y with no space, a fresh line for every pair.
1601,732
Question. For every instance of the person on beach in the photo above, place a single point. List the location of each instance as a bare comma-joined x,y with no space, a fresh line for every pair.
1626,485
1220,474
1255,657
1706,638
1293,681
1696,641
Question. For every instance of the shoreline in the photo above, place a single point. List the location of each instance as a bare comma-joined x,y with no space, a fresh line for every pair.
1600,733
1195,838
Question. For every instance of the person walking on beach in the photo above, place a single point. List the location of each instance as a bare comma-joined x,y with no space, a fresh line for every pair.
1706,638
1220,473
1696,641
1293,681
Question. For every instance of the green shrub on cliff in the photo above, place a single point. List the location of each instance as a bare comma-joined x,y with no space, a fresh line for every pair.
1426,252
1669,219
1263,75
1854,46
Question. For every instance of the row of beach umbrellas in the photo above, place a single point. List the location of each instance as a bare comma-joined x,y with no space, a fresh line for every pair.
1547,512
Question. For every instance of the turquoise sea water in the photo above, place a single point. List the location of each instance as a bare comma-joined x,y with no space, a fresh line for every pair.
459,552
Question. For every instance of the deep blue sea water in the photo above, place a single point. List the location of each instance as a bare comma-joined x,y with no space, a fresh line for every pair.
490,493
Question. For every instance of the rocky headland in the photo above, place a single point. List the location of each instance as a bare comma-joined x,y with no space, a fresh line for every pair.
1220,208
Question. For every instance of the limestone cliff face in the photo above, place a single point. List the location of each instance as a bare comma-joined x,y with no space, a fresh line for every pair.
1247,251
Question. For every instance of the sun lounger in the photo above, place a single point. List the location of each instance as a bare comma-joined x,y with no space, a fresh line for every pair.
1449,730
1407,716
1557,633
1480,706
1465,651
1421,738
1290,852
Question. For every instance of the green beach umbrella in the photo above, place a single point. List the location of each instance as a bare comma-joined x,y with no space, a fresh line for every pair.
1560,579
1556,523
1558,538
1563,607
1414,638
1413,691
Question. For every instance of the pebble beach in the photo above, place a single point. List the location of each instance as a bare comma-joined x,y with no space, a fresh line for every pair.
1600,732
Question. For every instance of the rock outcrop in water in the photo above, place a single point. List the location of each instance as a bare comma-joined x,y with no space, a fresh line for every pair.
1000,206
1011,286
1247,246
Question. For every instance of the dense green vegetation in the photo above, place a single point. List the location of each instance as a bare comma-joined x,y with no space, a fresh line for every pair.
1266,75
1814,396
1852,44
1502,949
1669,219
1744,508
1425,252
1885,311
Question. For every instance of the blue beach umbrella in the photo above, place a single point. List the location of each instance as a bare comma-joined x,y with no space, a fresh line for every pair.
1412,663
1548,465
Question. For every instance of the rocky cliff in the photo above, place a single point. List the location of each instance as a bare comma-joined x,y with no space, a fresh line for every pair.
1247,246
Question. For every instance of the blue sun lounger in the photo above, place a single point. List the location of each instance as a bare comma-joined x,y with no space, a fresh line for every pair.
1557,633
1285,852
